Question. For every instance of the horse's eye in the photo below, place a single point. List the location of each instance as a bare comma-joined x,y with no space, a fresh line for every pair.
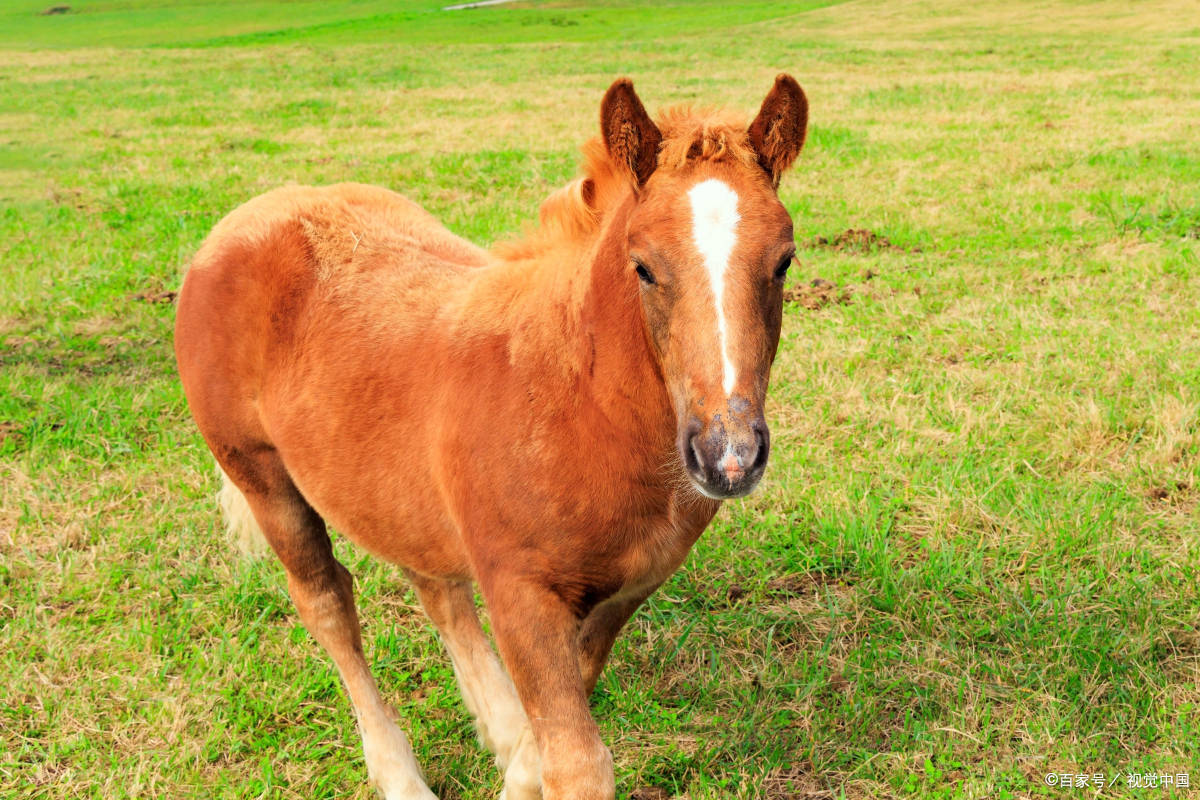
781,270
646,276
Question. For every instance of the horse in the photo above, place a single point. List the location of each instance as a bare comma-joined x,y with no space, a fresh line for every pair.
555,419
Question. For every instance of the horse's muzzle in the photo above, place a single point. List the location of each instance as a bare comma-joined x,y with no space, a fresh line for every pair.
727,457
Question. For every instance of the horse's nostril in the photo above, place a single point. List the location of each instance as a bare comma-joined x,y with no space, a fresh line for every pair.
695,457
763,439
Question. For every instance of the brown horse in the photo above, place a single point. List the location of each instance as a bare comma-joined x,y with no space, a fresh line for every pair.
556,419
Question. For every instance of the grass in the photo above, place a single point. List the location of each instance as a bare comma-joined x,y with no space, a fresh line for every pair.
975,558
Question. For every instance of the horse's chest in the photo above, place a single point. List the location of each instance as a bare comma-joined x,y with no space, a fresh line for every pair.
659,549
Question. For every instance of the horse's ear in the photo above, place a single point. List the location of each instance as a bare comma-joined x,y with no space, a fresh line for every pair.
630,136
777,133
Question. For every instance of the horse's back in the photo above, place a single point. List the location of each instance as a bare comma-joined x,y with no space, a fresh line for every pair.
329,225
287,256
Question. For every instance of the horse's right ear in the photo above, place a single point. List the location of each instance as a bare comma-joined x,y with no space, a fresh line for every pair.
630,136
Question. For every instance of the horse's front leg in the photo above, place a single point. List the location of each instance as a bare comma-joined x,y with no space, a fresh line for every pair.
486,689
599,630
537,633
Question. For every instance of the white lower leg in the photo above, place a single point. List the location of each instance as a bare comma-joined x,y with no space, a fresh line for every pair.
326,604
390,760
490,697
389,755
523,778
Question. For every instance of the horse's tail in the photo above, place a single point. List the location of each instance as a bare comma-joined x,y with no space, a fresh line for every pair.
239,520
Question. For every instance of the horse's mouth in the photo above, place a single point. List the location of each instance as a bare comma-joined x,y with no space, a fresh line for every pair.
724,492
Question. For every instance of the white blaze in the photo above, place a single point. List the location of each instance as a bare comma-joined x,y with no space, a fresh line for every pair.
714,230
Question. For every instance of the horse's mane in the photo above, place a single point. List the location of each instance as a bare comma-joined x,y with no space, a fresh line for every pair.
572,215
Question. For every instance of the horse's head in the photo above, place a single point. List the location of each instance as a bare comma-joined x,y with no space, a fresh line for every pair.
709,245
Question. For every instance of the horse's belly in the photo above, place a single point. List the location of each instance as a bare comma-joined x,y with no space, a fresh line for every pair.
368,474
354,421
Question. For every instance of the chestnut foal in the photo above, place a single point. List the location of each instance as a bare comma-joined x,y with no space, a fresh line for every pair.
556,419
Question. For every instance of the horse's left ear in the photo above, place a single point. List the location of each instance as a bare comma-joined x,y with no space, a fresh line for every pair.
630,136
777,133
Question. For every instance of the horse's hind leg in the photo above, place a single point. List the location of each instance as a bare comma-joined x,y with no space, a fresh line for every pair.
486,688
322,590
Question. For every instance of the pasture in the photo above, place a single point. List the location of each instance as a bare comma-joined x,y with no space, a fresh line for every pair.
975,557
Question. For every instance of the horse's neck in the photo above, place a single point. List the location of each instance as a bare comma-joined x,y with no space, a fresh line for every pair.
581,324
625,374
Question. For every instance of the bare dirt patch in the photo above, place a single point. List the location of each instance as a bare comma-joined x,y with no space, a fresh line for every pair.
801,584
9,430
155,296
855,240
838,683
1172,494
794,783
818,294
649,793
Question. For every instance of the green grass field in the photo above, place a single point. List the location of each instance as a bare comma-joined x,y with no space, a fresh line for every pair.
975,559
